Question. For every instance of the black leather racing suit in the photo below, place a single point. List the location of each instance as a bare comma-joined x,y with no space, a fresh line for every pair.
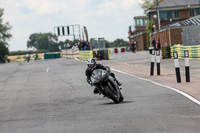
88,73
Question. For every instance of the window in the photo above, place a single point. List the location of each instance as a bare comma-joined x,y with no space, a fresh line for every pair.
176,14
198,11
166,15
140,22
192,12
146,21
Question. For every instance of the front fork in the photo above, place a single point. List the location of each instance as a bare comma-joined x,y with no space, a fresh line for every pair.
100,87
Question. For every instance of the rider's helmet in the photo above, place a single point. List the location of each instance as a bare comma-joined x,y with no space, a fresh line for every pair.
91,63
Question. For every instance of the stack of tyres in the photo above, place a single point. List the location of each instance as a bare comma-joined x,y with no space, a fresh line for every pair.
166,52
194,51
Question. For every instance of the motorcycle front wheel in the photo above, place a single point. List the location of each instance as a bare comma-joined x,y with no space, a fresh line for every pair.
121,96
111,94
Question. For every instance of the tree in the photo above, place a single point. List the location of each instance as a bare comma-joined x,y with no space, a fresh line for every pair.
43,41
4,37
145,4
116,43
120,43
149,30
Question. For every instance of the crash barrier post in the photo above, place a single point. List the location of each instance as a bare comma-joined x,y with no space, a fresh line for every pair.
158,61
85,55
177,69
187,69
152,62
150,50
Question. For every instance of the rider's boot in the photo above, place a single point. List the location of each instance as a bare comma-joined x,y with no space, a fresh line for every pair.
118,83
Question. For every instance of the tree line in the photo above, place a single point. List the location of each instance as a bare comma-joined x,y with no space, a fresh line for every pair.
49,41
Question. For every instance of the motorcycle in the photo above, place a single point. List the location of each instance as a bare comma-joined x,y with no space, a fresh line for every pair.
106,85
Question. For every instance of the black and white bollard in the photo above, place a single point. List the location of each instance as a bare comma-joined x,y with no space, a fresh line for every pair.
187,68
152,62
158,61
177,69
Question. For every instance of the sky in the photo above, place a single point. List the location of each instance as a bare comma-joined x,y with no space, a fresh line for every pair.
109,19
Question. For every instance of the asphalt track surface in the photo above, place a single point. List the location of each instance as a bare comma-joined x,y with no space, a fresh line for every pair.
52,96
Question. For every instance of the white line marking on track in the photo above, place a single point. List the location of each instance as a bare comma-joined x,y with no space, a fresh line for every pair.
180,92
47,69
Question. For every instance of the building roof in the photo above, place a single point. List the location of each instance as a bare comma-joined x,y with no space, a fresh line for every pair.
136,17
176,3
191,21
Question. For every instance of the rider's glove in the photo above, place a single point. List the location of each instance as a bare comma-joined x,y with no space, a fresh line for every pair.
89,82
108,69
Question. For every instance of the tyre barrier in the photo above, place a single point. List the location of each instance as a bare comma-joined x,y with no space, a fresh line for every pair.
111,50
116,50
70,53
194,51
85,55
100,54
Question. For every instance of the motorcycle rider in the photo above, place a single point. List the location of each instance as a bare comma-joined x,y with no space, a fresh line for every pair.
34,56
92,65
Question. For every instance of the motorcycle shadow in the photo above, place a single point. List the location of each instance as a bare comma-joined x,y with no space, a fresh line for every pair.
112,103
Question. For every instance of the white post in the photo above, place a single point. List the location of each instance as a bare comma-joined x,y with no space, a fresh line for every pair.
187,66
177,69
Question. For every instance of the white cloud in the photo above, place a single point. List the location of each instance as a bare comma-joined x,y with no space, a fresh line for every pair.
126,4
104,18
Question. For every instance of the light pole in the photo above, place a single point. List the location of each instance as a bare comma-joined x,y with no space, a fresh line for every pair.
158,14
199,7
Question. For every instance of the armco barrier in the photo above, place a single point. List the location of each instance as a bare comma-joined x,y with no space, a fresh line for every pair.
85,55
194,51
